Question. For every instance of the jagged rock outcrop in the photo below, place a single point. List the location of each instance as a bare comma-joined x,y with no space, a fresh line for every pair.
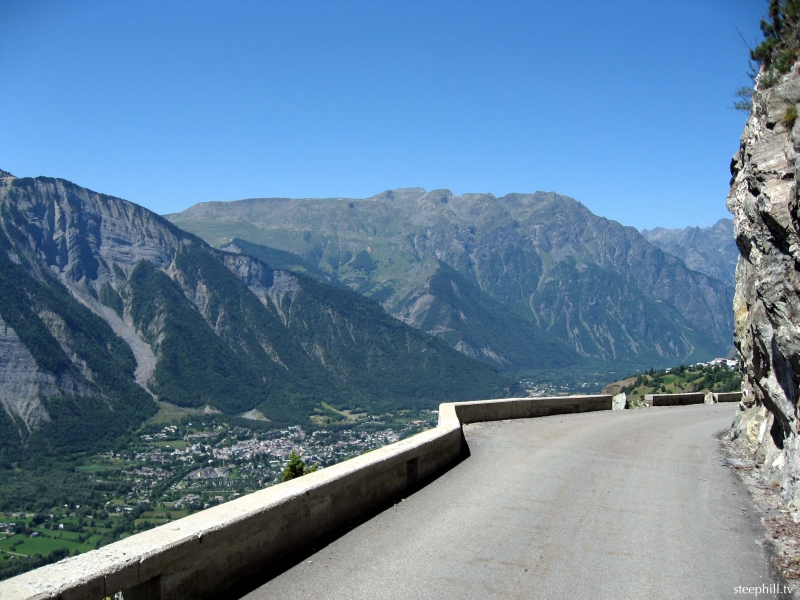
764,202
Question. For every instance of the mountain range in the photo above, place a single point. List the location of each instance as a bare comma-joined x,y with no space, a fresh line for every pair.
287,306
524,282
710,250
106,307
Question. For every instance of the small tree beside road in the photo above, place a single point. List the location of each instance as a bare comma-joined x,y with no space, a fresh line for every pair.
295,468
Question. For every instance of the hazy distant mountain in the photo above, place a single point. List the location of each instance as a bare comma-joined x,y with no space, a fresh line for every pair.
710,250
98,295
526,281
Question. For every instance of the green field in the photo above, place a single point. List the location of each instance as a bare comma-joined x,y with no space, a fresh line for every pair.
168,413
154,522
347,414
40,545
96,468
175,444
70,536
155,514
176,514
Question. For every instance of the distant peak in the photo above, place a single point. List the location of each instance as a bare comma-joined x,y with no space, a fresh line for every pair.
441,196
724,224
5,174
411,193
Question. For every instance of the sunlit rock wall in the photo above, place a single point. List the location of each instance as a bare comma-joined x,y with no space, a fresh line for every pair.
764,202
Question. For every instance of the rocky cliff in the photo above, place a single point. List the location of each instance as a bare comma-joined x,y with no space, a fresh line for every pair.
764,202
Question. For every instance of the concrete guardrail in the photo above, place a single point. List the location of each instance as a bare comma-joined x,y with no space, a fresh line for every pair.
728,396
202,554
690,398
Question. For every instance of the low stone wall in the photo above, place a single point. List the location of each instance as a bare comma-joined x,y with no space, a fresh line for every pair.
200,555
690,398
523,408
675,399
728,397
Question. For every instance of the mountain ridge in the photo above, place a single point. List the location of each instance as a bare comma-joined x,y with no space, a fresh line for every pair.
514,250
710,250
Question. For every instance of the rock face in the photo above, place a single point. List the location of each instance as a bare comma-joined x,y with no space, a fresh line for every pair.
22,381
710,250
525,281
764,202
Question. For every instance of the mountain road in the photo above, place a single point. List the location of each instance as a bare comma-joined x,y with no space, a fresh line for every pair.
623,504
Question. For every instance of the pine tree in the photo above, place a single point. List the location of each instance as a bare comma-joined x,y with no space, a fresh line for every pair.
295,468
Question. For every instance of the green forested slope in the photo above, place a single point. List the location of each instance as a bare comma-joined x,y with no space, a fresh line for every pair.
467,319
391,364
605,296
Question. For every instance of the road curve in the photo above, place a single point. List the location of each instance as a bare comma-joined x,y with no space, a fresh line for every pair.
624,504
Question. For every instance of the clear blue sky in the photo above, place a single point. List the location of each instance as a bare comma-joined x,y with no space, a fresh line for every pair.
622,105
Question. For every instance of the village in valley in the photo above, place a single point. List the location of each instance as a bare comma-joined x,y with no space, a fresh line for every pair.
170,470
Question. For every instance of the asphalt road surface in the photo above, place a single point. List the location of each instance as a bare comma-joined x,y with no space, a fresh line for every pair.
624,504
